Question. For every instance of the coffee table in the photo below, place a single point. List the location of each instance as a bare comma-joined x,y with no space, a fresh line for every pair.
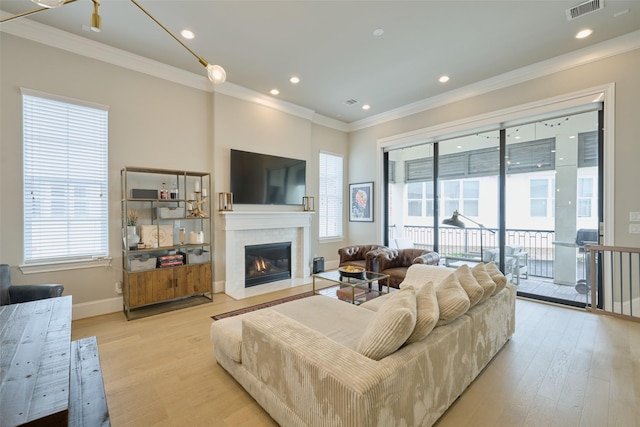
357,288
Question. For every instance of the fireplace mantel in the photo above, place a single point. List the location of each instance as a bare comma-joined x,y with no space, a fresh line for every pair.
243,228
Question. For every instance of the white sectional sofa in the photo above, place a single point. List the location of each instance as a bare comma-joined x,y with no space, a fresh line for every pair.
312,362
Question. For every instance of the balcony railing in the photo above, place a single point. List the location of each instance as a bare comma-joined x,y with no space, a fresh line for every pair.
455,241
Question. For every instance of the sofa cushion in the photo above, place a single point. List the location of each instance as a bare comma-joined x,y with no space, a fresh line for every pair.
497,276
427,312
424,273
481,275
453,301
391,325
470,284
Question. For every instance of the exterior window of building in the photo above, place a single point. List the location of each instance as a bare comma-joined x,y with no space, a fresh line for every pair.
65,179
331,190
539,197
585,196
470,194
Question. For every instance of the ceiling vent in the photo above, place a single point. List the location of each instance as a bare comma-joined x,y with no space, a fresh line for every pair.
350,101
584,8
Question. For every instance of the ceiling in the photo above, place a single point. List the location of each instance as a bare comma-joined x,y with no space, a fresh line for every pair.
331,46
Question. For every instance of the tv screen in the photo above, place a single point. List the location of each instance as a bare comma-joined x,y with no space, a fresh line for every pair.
261,179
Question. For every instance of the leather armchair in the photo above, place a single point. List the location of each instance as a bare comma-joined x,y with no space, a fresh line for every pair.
359,255
395,263
13,294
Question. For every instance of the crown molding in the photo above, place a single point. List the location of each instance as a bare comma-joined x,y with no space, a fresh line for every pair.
47,35
44,34
617,46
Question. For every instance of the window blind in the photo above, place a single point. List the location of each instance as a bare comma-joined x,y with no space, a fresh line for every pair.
331,185
65,177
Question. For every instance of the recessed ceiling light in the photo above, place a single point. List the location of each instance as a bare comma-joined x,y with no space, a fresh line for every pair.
275,92
378,32
366,106
443,79
187,34
572,137
584,33
294,80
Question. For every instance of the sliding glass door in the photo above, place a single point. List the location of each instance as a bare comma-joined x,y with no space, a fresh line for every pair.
552,202
525,196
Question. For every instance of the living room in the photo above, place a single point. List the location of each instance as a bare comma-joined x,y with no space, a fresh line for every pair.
174,122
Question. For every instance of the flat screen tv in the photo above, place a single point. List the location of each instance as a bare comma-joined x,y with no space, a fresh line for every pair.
261,179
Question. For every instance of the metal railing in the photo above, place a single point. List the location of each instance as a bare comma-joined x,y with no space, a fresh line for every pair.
619,270
455,241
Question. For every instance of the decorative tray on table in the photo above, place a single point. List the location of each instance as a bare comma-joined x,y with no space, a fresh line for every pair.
352,271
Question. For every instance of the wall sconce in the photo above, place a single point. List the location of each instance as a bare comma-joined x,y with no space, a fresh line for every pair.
225,201
308,204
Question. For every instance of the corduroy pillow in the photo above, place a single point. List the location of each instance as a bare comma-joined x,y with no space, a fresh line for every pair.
453,301
427,312
469,284
392,325
481,275
497,276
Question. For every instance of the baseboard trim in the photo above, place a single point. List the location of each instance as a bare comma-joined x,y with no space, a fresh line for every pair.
96,308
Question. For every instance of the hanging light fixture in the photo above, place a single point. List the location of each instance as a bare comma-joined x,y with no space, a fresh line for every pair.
49,4
216,73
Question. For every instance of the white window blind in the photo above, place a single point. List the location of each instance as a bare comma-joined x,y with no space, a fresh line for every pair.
64,180
330,207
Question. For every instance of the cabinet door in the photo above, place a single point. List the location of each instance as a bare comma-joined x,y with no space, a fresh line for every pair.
197,280
163,286
141,288
181,284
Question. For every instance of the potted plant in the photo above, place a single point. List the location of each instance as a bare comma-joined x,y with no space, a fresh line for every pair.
132,233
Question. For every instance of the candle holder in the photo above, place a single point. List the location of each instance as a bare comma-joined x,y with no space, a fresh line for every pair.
225,201
196,211
308,203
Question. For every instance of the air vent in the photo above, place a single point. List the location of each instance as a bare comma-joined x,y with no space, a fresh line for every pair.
350,101
584,8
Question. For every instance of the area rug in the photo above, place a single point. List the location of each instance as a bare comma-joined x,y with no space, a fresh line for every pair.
261,305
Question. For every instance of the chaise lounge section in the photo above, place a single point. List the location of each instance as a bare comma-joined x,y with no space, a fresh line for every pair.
319,361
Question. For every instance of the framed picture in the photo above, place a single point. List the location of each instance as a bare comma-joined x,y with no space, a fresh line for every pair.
361,202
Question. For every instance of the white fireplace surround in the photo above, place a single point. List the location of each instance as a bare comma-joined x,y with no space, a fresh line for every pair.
257,228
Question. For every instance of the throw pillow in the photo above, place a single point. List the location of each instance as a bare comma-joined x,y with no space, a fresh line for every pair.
481,275
427,312
497,276
470,284
453,301
391,326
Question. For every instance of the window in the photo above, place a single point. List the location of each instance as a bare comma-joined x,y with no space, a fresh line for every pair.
465,193
539,190
330,206
585,194
64,179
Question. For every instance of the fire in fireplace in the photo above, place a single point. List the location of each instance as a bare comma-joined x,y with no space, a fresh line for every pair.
267,263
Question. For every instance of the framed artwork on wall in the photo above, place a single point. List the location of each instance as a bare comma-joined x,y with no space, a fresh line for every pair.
361,202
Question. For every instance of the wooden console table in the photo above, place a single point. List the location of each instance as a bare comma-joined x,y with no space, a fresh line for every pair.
36,367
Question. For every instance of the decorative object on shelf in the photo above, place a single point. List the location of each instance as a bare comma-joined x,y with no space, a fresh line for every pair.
196,238
308,203
361,202
164,194
199,199
132,238
225,201
132,217
216,73
182,235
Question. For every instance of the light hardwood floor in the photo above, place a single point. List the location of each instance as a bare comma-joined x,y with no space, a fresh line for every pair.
563,367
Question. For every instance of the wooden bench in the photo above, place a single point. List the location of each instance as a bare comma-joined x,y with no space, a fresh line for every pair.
87,399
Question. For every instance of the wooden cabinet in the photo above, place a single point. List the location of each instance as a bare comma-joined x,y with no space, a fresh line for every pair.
166,235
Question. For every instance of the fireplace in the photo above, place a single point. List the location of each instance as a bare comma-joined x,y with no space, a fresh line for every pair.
267,263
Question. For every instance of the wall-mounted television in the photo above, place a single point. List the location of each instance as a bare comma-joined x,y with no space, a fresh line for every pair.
262,179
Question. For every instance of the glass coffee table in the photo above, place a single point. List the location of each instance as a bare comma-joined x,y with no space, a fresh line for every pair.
352,289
